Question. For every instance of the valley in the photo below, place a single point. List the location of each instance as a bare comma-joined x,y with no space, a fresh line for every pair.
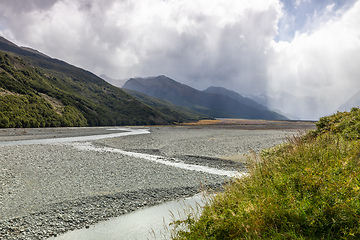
57,186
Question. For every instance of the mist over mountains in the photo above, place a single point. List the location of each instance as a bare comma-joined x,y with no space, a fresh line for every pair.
80,98
289,105
354,101
283,104
295,107
115,82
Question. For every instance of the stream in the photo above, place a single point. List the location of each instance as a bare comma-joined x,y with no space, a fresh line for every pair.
146,223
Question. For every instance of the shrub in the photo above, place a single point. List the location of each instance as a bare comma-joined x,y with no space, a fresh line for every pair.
346,124
308,188
34,111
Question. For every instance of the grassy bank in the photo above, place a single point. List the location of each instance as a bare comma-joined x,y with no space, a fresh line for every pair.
307,188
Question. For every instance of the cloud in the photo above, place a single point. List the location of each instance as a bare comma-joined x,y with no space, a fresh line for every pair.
322,63
302,47
193,41
215,52
300,2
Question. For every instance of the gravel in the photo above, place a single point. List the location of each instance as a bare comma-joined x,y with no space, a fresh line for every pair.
48,189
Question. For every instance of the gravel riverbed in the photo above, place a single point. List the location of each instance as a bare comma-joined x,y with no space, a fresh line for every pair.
48,189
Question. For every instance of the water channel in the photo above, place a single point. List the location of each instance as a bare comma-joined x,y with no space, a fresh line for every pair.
124,132
148,223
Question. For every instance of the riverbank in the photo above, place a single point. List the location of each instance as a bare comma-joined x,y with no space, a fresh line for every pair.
307,188
48,189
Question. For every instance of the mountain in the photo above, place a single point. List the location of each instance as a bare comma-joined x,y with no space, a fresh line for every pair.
115,82
354,101
179,113
34,51
294,107
39,91
212,104
236,96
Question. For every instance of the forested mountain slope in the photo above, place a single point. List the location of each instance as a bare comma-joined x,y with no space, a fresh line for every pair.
39,91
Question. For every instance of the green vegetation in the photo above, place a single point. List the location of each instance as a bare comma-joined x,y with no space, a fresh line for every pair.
307,188
21,106
38,91
346,124
34,111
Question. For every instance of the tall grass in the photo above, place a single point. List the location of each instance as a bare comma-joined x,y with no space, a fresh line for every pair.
307,188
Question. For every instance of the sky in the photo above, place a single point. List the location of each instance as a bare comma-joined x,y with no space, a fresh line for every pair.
307,48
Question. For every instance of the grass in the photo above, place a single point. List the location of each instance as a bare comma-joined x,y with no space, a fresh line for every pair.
306,188
202,122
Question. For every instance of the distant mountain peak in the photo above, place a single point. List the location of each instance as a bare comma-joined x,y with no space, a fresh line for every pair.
294,106
236,96
354,101
215,101
112,81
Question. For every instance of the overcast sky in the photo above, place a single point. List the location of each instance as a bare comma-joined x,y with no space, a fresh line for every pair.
304,47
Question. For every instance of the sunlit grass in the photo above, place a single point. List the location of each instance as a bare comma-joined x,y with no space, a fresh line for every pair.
308,188
202,122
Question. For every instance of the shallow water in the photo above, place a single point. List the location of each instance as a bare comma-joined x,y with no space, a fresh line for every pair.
126,132
147,223
87,146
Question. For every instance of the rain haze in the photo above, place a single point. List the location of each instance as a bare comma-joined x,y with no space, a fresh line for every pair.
304,50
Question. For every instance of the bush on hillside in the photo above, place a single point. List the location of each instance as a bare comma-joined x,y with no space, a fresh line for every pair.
31,111
347,124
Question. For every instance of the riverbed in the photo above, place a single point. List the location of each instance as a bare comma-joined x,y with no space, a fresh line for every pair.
146,223
55,180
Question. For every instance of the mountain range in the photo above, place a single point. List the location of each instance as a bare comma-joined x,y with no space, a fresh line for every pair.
307,108
115,82
39,91
354,101
214,101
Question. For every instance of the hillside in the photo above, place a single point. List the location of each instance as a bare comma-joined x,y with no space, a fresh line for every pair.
39,91
169,110
306,188
212,104
236,96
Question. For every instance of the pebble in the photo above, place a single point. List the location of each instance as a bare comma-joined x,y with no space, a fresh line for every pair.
58,188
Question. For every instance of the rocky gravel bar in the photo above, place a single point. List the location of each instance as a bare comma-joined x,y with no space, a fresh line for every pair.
48,189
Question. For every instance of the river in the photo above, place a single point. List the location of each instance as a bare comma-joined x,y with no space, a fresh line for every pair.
56,180
148,223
